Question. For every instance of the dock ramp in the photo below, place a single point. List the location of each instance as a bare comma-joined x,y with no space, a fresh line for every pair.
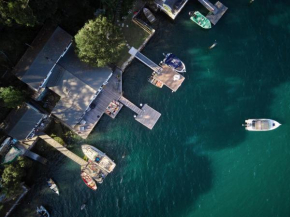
30,154
134,52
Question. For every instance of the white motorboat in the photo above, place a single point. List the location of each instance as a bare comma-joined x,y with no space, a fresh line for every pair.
261,124
99,157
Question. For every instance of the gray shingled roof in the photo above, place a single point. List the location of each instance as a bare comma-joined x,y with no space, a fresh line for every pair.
25,124
92,76
41,56
75,95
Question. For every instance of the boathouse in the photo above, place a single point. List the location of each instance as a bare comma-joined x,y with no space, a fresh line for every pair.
51,64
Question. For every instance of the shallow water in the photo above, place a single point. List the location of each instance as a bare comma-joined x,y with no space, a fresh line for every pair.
198,160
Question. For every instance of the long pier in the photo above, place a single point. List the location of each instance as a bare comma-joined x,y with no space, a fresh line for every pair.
209,6
63,150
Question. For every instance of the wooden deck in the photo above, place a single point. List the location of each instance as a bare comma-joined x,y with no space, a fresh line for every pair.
111,91
63,150
146,115
214,18
170,78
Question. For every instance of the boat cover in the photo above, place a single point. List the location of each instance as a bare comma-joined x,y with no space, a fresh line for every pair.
173,61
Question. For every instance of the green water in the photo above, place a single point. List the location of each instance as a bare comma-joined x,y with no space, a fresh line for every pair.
198,161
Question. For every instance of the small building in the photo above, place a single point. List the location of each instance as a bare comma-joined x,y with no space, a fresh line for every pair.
50,63
23,124
171,7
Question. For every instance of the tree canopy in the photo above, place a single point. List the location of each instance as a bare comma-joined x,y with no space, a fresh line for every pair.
12,97
13,174
99,42
17,11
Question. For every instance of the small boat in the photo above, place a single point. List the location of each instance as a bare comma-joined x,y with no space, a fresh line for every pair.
41,211
95,171
155,82
53,186
200,20
83,206
99,157
88,181
261,124
149,15
173,62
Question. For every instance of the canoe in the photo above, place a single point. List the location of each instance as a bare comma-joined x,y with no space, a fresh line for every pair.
88,181
51,184
200,20
149,15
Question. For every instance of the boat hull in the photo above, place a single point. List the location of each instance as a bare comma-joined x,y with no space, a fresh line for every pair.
99,157
149,15
200,20
53,186
88,181
261,124
181,68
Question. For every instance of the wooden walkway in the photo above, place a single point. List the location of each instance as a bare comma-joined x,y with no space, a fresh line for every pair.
134,52
63,150
31,154
130,105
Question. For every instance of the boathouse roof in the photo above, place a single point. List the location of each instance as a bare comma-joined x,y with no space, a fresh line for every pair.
75,96
41,55
20,122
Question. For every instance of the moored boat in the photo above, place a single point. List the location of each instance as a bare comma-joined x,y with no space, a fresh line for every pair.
149,15
99,157
41,211
200,20
261,124
174,62
155,82
88,181
53,186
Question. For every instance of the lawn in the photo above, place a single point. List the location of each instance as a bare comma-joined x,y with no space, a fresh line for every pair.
134,36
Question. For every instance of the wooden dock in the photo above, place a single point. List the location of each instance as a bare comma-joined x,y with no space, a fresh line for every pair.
130,105
214,18
63,150
166,75
146,115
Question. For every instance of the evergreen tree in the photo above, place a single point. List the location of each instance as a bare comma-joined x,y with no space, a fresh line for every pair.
17,11
12,97
99,42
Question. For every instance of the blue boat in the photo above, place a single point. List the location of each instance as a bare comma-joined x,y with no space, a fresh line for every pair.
173,62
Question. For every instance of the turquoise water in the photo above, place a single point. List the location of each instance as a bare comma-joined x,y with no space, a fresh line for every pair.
198,161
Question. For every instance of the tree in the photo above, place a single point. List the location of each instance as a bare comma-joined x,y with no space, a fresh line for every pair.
11,178
12,97
17,11
99,42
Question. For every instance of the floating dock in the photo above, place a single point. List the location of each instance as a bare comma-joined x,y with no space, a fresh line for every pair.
215,11
145,115
166,75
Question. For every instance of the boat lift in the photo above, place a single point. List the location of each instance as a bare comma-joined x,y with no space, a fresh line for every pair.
215,11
